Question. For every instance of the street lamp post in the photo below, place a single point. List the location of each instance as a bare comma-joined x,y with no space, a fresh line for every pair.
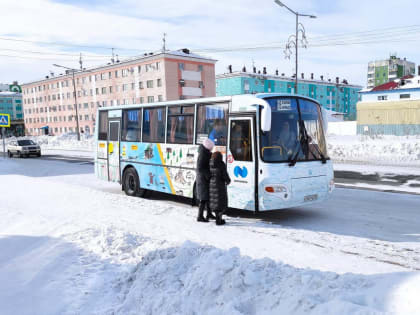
75,97
296,38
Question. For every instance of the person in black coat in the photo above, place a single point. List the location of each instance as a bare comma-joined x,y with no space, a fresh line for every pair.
219,179
203,179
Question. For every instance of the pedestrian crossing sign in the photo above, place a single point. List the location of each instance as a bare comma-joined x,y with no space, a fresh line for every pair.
4,120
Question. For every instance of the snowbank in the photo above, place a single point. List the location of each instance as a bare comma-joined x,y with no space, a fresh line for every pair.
194,279
375,150
76,245
63,142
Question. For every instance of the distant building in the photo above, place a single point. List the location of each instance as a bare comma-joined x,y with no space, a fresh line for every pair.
49,103
392,108
11,103
383,71
338,96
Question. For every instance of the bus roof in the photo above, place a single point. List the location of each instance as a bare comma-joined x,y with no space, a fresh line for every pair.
217,99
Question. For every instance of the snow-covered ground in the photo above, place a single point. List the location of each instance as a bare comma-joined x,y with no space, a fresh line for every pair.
71,244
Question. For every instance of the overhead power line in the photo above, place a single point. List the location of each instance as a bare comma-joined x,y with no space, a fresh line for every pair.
66,44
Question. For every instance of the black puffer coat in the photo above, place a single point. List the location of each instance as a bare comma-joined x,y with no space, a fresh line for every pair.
203,173
218,181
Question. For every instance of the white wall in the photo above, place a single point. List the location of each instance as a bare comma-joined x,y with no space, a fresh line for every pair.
342,128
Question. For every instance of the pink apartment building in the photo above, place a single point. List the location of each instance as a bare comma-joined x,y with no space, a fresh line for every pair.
49,103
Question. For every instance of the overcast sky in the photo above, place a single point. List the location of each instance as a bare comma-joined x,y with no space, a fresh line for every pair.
138,25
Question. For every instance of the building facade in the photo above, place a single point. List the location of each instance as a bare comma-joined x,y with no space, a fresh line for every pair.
383,71
390,109
340,97
11,103
49,104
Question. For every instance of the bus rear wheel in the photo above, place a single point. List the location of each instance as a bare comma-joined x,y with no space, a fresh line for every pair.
132,183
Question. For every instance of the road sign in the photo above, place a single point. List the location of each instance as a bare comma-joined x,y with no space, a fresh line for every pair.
15,88
4,120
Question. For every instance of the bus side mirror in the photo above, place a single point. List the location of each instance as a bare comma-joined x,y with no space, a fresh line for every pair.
266,119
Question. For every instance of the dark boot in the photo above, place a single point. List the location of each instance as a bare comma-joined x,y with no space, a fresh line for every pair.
210,215
200,217
219,220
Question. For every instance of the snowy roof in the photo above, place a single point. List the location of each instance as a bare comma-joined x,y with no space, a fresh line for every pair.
8,93
406,82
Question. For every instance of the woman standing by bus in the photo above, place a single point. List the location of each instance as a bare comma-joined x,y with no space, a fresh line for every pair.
203,179
218,191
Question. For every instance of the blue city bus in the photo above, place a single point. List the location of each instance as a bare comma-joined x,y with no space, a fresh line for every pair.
274,147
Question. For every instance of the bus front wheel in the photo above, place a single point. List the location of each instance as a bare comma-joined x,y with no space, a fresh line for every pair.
132,183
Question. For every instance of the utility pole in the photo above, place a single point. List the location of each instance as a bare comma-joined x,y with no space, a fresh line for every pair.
75,97
293,39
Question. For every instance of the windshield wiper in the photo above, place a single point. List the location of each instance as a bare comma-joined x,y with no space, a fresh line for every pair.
323,159
303,141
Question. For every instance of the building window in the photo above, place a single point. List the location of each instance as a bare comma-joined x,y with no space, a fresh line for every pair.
200,68
125,87
382,97
181,66
85,105
116,73
404,95
159,82
160,98
124,72
149,83
139,69
200,84
140,85
150,99
103,76
86,117
109,75
104,90
133,86
157,65
110,90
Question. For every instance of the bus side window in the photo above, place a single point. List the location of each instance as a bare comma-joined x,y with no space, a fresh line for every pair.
103,126
154,121
240,140
212,123
131,125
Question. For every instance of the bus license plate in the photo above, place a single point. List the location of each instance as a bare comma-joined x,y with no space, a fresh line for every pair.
310,198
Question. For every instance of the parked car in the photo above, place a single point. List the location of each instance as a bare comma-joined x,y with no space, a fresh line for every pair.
23,148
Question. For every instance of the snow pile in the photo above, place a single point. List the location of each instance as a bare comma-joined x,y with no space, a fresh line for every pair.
62,142
194,279
375,150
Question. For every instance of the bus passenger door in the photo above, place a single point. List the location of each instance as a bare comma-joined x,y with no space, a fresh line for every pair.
241,159
114,150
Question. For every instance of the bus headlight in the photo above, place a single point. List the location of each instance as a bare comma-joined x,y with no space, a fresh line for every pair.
331,185
278,189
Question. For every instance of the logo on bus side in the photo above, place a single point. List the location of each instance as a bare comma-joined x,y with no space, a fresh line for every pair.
240,171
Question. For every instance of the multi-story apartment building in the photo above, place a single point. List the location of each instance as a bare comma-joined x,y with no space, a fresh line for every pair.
338,96
383,71
11,103
49,104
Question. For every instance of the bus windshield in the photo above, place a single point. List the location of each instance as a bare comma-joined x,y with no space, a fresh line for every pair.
296,132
